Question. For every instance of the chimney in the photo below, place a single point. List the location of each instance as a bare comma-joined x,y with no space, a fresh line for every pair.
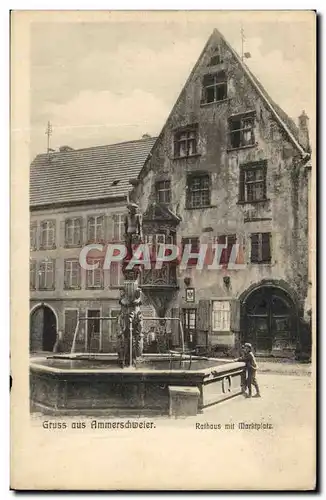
304,131
64,149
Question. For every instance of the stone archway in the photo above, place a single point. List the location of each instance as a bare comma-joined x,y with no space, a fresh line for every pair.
269,320
43,328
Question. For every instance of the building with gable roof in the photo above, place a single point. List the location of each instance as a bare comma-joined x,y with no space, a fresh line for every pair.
77,197
232,169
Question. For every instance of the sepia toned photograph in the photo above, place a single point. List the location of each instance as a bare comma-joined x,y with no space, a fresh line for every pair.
169,195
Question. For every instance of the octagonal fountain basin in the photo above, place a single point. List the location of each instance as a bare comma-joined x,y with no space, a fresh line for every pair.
95,384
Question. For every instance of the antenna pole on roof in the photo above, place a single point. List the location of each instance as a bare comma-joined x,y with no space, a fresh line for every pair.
48,132
244,55
242,41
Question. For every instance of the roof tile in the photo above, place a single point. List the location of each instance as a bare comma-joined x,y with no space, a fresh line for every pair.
87,174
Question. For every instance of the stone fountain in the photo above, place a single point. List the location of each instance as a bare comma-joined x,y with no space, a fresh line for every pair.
131,382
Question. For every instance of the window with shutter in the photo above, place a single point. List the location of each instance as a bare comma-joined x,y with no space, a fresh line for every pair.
116,277
94,277
72,274
118,228
266,249
95,229
73,232
255,248
228,240
47,234
46,275
260,247
194,242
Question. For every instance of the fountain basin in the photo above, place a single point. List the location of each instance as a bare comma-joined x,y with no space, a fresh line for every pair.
95,385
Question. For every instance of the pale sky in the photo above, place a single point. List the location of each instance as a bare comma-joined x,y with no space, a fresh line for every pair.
105,82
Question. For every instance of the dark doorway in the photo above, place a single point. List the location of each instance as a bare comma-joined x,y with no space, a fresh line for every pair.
189,320
269,321
43,329
93,337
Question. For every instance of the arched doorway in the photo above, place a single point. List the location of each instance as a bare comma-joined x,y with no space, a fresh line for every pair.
43,329
269,321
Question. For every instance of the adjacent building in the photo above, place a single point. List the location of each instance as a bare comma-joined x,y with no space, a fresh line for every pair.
230,167
77,197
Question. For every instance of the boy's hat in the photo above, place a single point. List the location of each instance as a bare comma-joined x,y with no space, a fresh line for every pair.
247,344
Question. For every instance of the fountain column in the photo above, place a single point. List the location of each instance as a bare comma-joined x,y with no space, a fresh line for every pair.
130,319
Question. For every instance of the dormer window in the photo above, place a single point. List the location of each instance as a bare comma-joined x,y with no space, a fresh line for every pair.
214,87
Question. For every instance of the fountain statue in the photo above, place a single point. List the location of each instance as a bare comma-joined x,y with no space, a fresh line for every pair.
130,337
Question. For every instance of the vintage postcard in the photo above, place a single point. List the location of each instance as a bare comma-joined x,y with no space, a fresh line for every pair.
163,177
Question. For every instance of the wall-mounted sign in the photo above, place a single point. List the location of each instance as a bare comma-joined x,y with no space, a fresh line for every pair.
190,295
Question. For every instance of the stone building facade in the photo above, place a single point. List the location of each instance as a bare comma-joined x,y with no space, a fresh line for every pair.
77,197
230,167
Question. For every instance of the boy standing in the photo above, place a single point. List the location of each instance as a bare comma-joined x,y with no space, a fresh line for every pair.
251,367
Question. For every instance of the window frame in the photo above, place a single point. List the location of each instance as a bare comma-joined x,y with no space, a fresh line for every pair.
242,117
218,83
177,141
80,241
252,167
191,178
118,267
166,191
121,226
47,246
96,239
49,261
69,286
223,329
90,272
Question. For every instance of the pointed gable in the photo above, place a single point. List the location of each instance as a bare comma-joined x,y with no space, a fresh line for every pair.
219,62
